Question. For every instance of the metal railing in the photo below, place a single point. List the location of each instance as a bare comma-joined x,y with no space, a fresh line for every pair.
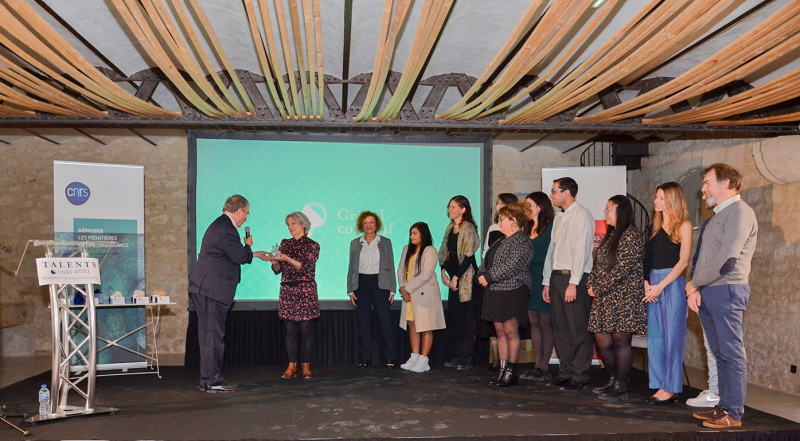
598,154
641,217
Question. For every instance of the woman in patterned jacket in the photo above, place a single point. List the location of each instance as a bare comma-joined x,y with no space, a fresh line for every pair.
505,273
457,259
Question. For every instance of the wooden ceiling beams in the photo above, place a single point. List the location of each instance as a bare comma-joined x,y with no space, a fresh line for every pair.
46,78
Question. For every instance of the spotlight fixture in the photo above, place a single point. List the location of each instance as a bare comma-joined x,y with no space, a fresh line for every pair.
597,3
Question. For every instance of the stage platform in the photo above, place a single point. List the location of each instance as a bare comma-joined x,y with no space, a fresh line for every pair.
342,402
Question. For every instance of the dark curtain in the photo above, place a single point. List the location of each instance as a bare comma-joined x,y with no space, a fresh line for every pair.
259,338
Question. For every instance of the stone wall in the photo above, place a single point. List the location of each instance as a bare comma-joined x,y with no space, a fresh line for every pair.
772,321
26,212
521,172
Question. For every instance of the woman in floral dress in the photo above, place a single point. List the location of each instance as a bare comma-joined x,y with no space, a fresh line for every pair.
616,285
298,303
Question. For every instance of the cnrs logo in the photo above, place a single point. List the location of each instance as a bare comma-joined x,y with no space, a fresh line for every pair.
317,215
77,193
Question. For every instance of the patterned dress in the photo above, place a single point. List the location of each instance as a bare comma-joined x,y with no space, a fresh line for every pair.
298,299
618,305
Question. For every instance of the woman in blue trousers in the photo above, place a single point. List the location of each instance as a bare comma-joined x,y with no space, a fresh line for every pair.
666,257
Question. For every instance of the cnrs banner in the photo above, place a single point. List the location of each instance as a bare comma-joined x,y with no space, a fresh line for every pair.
103,204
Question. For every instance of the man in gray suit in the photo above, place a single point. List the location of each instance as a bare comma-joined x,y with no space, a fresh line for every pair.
212,287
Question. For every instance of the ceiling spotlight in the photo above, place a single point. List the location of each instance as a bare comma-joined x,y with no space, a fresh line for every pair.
597,3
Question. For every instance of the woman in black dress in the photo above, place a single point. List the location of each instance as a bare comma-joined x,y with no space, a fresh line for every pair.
616,285
505,273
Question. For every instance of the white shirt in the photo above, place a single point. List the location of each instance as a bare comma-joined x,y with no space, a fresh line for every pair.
493,227
370,257
722,206
571,244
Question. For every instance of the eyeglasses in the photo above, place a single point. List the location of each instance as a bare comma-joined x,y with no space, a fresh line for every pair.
607,210
501,218
553,191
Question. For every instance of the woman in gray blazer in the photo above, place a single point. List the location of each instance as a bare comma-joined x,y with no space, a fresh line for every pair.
422,309
371,284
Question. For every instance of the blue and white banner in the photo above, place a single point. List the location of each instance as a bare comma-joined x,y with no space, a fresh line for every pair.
104,204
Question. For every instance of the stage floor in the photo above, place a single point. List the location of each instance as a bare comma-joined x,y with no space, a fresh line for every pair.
343,402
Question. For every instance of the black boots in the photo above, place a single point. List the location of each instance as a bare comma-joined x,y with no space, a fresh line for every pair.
605,387
618,391
507,376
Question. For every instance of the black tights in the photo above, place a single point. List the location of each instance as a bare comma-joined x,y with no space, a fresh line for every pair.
616,352
296,331
541,338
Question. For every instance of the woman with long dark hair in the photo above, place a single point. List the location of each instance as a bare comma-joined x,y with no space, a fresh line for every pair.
505,274
616,285
485,329
539,231
666,257
457,259
422,311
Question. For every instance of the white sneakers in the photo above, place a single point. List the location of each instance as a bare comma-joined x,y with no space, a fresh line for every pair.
421,365
416,363
704,399
410,363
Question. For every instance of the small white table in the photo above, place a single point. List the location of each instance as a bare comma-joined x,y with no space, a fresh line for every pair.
155,317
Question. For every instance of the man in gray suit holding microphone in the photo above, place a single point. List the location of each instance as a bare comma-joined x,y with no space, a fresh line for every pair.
212,287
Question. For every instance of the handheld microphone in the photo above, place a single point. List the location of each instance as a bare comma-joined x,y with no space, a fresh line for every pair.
246,232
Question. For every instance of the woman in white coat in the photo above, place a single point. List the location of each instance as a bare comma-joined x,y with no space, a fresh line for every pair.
422,311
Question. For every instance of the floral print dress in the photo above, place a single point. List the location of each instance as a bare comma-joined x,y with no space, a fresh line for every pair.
618,291
298,300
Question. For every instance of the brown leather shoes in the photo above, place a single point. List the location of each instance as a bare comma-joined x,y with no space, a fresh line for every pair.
709,414
723,422
306,370
291,371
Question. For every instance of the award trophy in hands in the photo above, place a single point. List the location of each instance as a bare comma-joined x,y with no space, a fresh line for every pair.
268,256
273,253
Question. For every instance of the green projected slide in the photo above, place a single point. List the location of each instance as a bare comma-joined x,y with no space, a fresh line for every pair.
332,182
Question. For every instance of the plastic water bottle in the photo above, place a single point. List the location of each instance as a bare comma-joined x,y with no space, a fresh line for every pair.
44,401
